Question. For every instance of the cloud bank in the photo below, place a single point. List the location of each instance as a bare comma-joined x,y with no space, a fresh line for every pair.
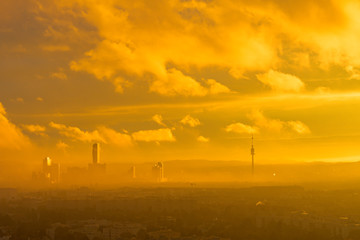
11,137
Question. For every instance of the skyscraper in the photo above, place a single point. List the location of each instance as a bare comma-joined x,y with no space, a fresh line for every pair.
133,171
252,156
46,166
158,172
51,171
96,168
96,153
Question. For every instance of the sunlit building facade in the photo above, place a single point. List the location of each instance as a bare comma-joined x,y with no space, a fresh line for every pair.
51,171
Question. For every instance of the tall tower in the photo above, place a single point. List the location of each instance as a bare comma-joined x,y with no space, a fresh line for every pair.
96,168
47,167
252,155
158,172
96,153
51,170
133,171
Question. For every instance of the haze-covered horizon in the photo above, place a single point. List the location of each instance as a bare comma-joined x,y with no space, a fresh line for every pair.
178,79
179,120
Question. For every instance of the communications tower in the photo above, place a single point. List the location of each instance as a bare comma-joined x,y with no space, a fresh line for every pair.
252,155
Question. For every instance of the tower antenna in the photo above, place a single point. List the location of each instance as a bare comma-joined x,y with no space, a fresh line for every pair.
252,155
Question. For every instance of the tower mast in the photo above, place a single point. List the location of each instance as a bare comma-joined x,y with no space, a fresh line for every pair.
252,155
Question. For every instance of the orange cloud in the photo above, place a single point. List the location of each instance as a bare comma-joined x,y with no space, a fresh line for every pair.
241,128
216,88
116,138
158,135
266,123
202,139
62,146
77,134
190,121
59,75
281,81
158,119
36,129
11,136
176,83
101,134
144,45
298,127
237,36
277,125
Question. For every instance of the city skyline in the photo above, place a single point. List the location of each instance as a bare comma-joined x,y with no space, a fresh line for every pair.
178,80
179,119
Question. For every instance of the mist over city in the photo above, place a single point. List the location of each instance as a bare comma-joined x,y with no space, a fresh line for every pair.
179,120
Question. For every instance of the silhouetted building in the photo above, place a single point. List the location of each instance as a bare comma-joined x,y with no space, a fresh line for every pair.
96,167
158,172
96,153
133,171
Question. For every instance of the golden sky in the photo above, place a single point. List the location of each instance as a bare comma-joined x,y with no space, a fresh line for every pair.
179,79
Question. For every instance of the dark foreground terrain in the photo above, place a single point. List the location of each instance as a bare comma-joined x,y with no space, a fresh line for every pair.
286,212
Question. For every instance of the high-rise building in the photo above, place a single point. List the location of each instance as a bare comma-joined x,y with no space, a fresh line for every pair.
158,172
133,171
96,167
51,171
47,166
96,153
252,156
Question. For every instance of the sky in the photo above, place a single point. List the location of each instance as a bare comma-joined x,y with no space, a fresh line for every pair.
179,80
